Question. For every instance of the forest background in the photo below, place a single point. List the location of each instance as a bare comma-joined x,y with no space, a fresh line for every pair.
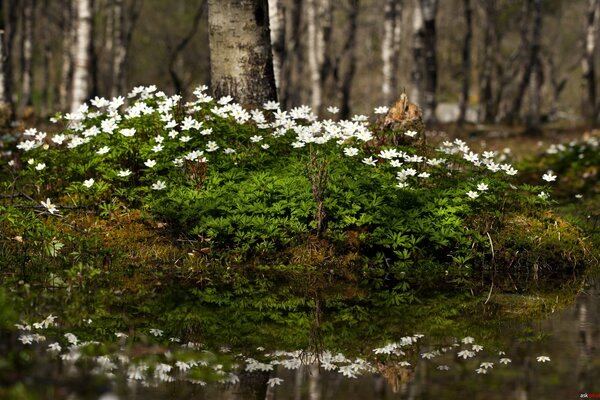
524,62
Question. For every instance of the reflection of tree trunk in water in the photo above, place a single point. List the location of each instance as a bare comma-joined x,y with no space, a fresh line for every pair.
314,382
252,386
524,384
379,383
333,386
298,382
415,388
586,306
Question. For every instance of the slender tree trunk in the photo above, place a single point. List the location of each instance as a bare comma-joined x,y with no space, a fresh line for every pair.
390,48
424,73
27,53
319,18
466,62
125,21
10,30
486,102
4,97
588,67
316,96
349,54
417,76
277,28
68,40
46,103
534,9
240,51
294,63
81,71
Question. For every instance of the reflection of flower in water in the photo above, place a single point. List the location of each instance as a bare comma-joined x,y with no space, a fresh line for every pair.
543,359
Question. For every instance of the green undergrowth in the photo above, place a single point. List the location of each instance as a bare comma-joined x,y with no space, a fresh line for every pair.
260,223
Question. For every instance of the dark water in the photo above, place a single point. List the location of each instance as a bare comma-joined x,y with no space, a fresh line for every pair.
570,338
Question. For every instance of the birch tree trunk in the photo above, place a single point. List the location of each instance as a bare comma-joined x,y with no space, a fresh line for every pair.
349,54
314,382
241,62
424,73
27,53
466,62
319,16
277,28
83,27
588,67
68,40
390,49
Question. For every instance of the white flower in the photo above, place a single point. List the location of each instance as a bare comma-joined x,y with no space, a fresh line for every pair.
103,150
481,371
88,183
473,195
396,163
211,146
486,365
333,109
229,151
40,166
124,173
549,176
156,332
369,161
256,138
411,133
466,354
543,359
271,105
157,148
185,139
54,347
477,348
543,195
482,187
505,360
159,185
351,151
388,153
428,356
128,132
49,206
424,175
265,146
381,110
150,163
274,382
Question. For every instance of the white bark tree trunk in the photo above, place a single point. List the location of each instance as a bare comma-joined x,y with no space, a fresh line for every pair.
27,53
240,51
319,19
417,75
81,58
277,28
68,40
588,67
390,49
118,43
466,62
